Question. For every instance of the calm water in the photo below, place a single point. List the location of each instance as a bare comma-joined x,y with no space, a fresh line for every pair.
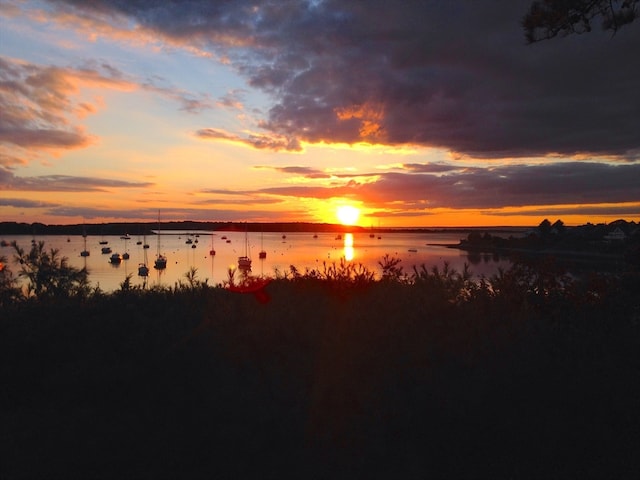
299,249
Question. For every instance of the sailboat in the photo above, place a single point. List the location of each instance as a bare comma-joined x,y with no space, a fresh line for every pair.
212,252
125,255
85,252
103,241
244,262
143,270
263,254
161,261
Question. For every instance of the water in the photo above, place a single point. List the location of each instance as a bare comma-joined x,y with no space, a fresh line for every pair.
299,249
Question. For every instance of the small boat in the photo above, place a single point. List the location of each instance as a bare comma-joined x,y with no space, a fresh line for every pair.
85,252
263,254
189,241
4,243
160,262
413,250
244,262
106,250
338,237
143,270
193,246
224,237
115,259
212,252
125,237
103,242
125,255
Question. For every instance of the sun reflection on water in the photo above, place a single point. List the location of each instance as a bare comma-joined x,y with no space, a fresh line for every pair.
349,251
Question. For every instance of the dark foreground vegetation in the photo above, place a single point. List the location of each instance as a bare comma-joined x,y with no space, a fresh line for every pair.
328,373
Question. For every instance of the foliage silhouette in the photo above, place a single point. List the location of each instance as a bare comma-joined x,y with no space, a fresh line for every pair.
547,19
48,274
428,374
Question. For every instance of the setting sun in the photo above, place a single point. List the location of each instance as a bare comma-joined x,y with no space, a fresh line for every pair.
347,214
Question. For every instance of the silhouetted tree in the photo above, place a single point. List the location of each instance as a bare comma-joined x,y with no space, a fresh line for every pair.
48,274
8,290
549,18
544,228
558,226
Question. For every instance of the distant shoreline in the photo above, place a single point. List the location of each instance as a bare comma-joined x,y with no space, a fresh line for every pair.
147,228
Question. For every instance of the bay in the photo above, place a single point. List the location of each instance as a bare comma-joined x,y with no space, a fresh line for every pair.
302,250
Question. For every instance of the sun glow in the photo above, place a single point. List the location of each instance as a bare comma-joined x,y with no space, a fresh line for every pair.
347,214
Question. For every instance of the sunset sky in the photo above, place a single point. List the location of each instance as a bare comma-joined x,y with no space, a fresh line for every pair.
418,113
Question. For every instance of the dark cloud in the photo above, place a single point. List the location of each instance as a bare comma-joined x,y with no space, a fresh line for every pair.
573,183
63,183
170,213
429,167
455,75
623,211
25,203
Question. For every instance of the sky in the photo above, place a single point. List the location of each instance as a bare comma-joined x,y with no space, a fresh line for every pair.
416,113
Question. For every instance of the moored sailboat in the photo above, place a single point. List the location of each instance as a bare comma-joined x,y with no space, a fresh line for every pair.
244,262
85,252
263,254
161,261
212,252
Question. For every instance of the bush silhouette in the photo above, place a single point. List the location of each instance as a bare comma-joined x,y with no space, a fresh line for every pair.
339,375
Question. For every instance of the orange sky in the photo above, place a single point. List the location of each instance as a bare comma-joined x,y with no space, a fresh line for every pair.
113,113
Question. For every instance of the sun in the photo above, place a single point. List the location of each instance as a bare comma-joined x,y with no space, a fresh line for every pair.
347,214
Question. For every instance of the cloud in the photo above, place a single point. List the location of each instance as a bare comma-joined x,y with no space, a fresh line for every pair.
257,141
429,167
623,211
188,101
571,183
452,75
63,183
9,157
172,214
38,108
25,203
306,172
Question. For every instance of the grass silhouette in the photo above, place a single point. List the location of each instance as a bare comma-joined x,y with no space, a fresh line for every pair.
527,374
